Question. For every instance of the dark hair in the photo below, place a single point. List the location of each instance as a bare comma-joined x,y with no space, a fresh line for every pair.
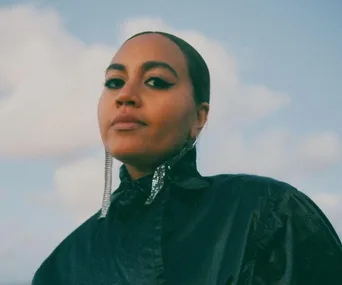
198,69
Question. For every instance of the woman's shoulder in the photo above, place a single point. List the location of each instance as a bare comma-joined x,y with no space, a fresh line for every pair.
252,185
270,197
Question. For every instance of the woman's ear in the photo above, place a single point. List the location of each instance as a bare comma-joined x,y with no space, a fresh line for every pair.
202,111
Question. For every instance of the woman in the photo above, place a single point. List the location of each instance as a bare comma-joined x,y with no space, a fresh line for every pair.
166,224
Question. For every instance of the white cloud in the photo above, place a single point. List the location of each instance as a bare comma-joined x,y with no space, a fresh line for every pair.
324,147
50,81
274,152
79,185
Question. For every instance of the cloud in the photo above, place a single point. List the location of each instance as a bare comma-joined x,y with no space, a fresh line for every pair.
274,152
50,83
324,148
79,185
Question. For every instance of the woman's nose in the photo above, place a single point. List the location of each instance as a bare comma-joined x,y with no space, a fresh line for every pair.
128,96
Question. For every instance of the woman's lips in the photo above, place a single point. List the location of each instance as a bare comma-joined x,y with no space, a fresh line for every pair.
127,126
127,122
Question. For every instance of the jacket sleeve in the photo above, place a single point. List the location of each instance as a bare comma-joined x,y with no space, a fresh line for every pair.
305,249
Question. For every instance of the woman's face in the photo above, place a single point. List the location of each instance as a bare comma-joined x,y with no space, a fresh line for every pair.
147,111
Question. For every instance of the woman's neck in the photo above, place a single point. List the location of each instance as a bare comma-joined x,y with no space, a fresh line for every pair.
136,173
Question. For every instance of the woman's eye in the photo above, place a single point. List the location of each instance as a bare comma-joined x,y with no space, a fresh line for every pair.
158,83
114,83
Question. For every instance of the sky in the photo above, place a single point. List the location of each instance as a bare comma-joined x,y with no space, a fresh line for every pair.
275,110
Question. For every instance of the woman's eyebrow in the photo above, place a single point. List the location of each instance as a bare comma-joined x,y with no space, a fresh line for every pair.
146,66
159,64
116,66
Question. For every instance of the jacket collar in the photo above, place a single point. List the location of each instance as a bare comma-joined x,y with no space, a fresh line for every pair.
183,174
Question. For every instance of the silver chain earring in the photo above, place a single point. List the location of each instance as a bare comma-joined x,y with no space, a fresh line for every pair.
108,185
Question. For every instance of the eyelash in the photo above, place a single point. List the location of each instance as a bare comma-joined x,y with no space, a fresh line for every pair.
161,83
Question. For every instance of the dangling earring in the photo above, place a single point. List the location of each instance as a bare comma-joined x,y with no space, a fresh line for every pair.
108,185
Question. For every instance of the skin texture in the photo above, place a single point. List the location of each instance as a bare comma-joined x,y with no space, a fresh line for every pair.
162,100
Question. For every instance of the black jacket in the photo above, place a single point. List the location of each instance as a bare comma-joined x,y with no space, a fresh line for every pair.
220,230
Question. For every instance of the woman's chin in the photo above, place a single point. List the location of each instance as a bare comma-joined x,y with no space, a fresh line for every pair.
124,145
127,152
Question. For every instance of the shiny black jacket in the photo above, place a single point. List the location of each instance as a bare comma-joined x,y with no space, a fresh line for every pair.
220,230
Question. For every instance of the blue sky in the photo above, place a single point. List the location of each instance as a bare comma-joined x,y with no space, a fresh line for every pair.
276,69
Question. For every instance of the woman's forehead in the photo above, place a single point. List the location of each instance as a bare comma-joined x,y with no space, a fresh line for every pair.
150,47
